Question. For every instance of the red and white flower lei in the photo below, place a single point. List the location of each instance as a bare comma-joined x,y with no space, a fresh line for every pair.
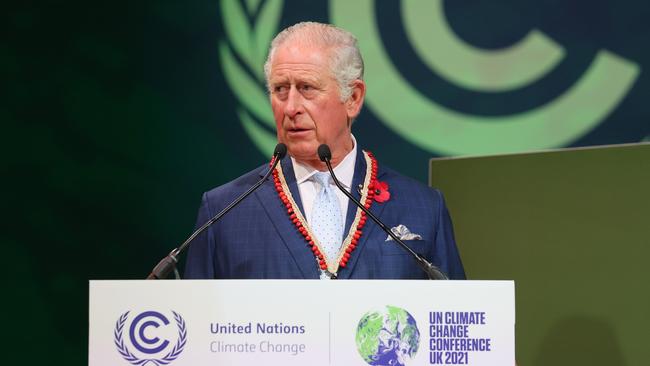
350,242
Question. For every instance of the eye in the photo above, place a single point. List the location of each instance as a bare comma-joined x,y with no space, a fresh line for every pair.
307,90
280,90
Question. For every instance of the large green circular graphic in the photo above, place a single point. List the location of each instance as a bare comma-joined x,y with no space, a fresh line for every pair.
587,103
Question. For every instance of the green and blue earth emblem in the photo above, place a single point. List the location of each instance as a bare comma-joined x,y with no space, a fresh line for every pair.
387,337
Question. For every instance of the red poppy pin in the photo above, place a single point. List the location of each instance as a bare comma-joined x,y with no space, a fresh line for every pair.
381,192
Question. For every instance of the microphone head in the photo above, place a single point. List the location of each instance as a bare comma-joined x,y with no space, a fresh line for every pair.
280,151
324,152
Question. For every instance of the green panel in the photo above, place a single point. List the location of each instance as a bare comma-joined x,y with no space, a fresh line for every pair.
572,228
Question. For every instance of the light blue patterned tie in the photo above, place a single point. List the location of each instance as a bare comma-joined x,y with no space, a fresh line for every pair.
326,219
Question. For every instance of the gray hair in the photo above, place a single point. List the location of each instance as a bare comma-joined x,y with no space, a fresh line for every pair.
346,63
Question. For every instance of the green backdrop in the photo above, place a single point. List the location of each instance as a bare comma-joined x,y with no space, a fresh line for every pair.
117,115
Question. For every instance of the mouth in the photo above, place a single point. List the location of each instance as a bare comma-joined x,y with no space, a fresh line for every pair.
298,131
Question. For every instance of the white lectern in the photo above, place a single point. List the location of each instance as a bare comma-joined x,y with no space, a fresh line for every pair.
301,322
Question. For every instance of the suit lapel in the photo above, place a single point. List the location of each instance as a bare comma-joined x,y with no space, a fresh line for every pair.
357,181
277,213
290,177
376,208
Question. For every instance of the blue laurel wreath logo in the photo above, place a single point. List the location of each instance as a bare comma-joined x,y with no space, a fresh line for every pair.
135,360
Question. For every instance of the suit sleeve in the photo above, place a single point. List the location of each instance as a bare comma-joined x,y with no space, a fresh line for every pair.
200,256
446,254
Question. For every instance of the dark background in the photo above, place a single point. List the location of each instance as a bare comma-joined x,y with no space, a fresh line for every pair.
117,117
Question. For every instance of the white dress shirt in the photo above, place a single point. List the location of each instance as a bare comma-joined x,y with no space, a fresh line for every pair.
308,189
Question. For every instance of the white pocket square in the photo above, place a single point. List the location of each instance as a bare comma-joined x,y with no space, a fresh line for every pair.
403,233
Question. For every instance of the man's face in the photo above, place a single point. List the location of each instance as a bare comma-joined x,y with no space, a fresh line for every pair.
306,103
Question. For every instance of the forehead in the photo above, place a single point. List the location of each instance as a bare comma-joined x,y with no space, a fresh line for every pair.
297,59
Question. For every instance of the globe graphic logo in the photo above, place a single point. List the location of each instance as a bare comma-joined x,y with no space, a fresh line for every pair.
387,337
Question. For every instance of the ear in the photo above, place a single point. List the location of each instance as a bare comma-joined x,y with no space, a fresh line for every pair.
355,102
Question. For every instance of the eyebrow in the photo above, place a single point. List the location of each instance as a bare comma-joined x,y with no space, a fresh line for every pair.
300,79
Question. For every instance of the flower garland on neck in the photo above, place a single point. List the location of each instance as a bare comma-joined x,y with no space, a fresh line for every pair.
351,240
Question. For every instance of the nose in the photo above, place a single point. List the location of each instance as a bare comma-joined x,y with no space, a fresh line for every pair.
293,105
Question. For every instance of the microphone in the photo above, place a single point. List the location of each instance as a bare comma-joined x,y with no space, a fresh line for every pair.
168,264
433,272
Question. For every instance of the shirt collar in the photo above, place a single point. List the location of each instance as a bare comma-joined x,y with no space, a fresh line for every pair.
344,171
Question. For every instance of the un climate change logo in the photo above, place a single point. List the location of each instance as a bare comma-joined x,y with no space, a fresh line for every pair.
144,334
387,337
250,25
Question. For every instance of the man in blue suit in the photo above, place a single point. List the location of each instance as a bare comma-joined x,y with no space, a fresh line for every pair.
299,225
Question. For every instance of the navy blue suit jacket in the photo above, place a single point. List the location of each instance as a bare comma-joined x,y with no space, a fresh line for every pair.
256,240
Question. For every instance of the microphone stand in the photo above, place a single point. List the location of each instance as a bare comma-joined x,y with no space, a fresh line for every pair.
433,272
167,264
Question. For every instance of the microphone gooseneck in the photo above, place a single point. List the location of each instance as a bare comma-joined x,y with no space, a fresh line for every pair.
168,264
433,272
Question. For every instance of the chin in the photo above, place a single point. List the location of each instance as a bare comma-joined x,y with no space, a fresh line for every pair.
303,151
